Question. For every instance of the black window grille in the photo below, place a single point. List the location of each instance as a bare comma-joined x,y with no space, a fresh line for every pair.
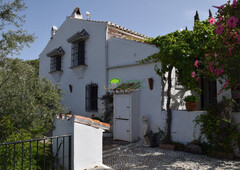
92,97
78,53
56,63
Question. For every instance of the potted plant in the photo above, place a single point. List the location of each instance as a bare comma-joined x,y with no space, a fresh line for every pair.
191,102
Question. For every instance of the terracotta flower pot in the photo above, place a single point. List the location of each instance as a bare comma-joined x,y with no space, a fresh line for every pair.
191,106
167,146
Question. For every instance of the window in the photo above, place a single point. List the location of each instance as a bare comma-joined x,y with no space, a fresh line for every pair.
56,63
78,47
78,53
91,97
56,59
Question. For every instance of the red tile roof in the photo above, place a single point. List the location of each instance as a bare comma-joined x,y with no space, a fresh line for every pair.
111,24
87,121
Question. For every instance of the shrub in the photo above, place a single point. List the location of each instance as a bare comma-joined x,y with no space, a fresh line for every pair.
217,129
191,98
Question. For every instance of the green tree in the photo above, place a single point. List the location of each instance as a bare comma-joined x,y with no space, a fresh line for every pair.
34,63
36,149
12,40
29,100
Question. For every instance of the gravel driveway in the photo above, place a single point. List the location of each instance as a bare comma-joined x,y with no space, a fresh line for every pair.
155,158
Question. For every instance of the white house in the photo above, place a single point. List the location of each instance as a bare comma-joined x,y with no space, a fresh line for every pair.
84,55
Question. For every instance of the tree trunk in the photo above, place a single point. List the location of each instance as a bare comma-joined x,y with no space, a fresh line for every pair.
169,111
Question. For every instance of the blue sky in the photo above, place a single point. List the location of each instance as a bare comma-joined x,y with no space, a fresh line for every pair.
149,17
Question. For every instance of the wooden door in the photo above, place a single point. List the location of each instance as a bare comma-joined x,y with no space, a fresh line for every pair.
122,121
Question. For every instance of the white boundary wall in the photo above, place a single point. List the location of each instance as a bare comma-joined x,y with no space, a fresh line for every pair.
86,142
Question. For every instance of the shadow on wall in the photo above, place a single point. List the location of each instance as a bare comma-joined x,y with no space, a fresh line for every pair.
177,100
177,96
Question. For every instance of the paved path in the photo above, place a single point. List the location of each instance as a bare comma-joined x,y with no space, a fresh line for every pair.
140,158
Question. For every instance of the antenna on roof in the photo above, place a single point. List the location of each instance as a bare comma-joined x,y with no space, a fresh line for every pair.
88,14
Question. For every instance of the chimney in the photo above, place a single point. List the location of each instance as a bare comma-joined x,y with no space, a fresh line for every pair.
53,31
77,14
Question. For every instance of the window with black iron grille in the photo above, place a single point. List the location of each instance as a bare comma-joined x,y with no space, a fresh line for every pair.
78,53
91,97
56,63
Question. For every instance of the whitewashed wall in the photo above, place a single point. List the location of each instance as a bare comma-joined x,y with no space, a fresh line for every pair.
129,53
122,51
86,144
225,93
178,93
183,125
95,59
63,127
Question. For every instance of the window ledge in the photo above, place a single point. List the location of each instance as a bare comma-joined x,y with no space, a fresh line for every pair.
91,110
79,66
79,70
56,75
56,71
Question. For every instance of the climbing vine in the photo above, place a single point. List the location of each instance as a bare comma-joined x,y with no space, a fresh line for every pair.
179,50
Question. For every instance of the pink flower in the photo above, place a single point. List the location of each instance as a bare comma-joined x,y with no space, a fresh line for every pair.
211,21
196,63
219,71
225,84
193,74
222,12
226,43
211,68
232,22
235,34
197,79
220,29
230,50
220,7
234,4
220,18
206,55
215,54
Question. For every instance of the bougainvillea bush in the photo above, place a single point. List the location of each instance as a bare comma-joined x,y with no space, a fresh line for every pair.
222,61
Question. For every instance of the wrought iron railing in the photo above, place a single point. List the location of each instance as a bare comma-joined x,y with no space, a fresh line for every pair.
43,153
